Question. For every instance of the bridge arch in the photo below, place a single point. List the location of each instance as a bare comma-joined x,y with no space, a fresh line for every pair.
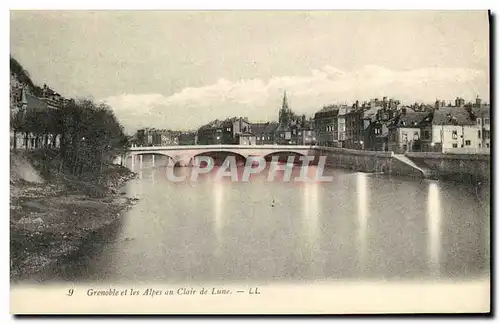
170,160
220,155
283,155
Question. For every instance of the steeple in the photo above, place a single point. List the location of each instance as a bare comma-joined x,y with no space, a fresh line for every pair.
285,102
284,113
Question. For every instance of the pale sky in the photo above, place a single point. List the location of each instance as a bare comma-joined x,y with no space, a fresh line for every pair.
179,70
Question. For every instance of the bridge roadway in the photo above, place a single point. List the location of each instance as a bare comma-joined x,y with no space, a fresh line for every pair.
183,154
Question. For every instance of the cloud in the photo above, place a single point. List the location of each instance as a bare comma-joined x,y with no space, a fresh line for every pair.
260,100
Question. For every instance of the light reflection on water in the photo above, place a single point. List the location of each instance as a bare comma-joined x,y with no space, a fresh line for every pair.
434,227
359,226
362,210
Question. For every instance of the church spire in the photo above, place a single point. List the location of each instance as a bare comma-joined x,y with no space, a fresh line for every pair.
285,102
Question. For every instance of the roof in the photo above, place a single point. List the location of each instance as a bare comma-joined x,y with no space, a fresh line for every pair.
452,116
483,111
371,113
262,128
410,119
328,111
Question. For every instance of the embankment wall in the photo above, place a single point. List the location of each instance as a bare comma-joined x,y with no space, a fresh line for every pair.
366,161
450,165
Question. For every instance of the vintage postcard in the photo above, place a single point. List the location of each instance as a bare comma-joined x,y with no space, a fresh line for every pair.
250,162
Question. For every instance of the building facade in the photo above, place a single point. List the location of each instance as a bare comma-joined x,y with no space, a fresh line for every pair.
264,132
188,138
354,128
33,121
228,131
343,110
482,114
405,132
326,126
454,129
155,137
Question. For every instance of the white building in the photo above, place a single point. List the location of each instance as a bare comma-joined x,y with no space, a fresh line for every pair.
341,124
454,129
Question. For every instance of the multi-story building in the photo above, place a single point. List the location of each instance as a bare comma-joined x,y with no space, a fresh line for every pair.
212,133
188,138
32,121
155,137
326,126
343,110
481,112
229,131
306,134
235,129
264,132
375,125
454,129
354,127
404,132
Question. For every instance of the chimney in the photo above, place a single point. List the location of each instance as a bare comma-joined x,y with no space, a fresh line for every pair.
478,101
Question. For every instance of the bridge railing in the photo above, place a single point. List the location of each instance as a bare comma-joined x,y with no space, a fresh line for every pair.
222,146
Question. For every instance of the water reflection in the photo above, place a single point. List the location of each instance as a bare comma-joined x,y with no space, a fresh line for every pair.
311,212
434,226
357,227
310,223
218,203
362,211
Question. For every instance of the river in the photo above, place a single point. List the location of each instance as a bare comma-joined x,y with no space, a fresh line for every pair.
358,226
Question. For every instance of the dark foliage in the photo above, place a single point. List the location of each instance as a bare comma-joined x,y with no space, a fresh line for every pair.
89,133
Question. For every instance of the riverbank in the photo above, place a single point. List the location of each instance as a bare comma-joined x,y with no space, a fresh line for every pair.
52,213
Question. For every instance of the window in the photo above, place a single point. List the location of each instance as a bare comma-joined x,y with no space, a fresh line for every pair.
426,134
467,142
454,145
486,121
486,134
479,134
415,136
404,137
479,121
454,134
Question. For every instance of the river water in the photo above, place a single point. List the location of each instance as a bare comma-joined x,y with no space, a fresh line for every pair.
357,227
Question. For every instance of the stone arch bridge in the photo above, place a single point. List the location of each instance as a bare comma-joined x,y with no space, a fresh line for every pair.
183,154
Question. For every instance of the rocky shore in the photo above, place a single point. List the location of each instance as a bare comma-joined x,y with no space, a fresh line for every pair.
51,218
